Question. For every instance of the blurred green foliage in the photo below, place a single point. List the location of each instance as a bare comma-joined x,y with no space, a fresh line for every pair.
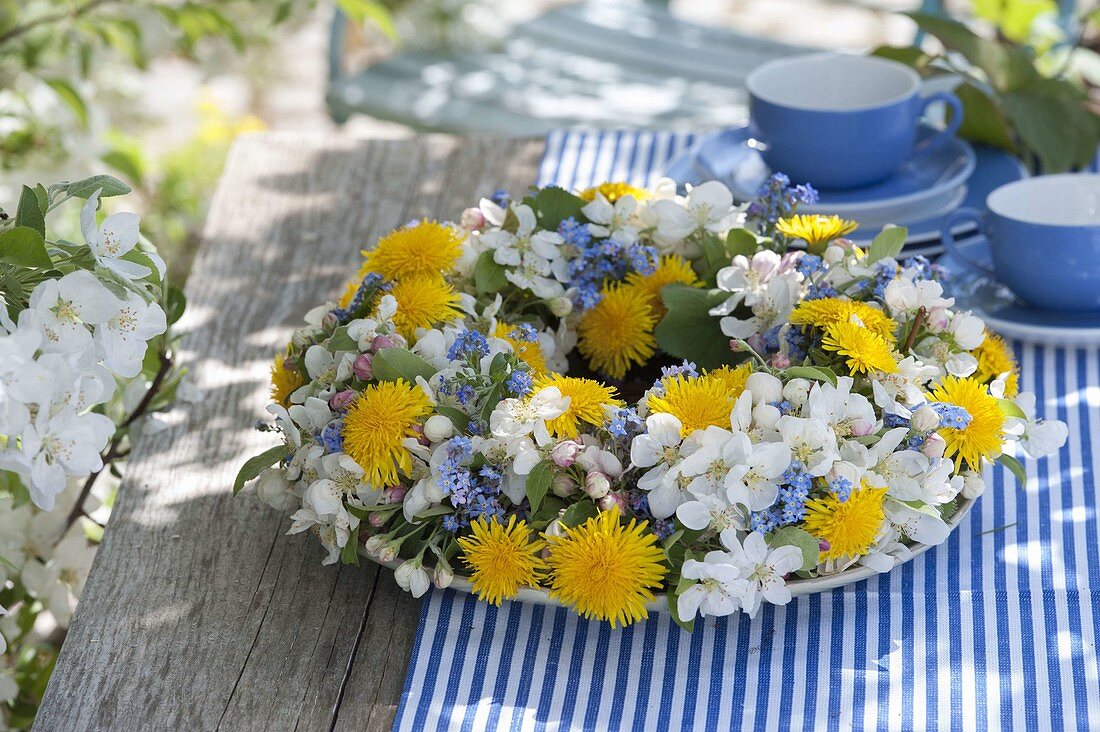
1030,97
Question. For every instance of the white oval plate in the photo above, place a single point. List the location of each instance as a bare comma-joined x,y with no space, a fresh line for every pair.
541,596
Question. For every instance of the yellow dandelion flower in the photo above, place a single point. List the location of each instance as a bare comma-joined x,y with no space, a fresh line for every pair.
587,401
605,570
829,310
526,351
984,436
995,358
284,381
814,229
501,558
426,249
423,302
865,350
618,332
614,191
732,378
698,402
378,420
671,270
849,526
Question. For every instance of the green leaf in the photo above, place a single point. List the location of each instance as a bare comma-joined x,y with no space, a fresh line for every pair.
579,512
806,542
816,373
139,257
127,161
110,186
256,465
689,330
682,584
743,242
887,244
488,275
1010,409
350,553
1013,17
548,511
1015,467
71,97
1057,127
1007,66
552,205
908,55
538,483
391,364
175,303
24,247
458,418
983,119
341,341
29,211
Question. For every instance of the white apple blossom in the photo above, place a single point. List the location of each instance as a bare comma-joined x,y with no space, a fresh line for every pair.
124,338
707,207
65,307
112,240
765,569
718,589
753,481
615,221
513,419
412,577
1038,437
533,259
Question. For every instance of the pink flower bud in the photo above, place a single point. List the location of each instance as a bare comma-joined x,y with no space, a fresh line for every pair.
861,427
736,345
823,545
934,446
937,319
472,219
612,500
565,453
596,485
376,520
381,343
779,361
362,367
443,576
394,494
341,400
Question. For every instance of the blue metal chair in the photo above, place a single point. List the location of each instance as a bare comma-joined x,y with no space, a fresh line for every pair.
604,63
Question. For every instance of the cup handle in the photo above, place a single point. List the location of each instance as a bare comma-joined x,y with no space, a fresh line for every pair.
953,124
952,247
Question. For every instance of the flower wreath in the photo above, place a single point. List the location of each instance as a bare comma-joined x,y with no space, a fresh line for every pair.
622,392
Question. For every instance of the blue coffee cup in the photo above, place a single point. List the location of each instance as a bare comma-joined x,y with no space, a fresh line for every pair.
1044,235
840,121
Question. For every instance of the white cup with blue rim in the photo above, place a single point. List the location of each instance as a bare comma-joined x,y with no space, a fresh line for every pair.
1044,239
841,121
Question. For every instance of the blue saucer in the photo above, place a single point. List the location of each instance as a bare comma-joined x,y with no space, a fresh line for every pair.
993,168
1004,313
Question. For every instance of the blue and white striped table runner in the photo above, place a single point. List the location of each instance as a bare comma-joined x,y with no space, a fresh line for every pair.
995,629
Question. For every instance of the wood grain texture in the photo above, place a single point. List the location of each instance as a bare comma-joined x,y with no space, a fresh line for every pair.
200,613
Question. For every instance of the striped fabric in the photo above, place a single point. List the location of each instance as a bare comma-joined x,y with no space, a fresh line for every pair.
995,629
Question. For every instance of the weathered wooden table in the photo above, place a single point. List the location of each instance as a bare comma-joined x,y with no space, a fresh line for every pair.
200,612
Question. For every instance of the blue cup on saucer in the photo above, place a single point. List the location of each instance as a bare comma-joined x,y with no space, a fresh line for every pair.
840,121
1044,236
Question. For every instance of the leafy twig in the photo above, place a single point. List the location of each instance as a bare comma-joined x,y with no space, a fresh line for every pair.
16,31
113,452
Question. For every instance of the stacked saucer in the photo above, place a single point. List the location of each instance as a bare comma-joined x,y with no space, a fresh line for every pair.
927,188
